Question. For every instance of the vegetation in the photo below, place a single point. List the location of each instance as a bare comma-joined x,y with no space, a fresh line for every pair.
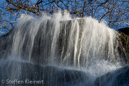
124,45
114,12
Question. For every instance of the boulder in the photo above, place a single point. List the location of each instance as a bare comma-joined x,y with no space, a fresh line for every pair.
12,71
118,77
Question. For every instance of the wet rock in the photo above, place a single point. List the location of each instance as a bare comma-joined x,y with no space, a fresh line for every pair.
119,77
46,75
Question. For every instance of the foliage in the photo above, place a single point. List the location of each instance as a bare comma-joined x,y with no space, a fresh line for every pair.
115,12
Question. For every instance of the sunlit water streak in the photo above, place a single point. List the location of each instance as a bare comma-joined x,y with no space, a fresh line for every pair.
63,42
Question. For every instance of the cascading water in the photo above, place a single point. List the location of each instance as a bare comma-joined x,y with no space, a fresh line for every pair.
59,50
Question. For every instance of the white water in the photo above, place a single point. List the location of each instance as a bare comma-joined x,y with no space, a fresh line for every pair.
72,43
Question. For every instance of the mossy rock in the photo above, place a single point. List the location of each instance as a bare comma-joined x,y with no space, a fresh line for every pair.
124,45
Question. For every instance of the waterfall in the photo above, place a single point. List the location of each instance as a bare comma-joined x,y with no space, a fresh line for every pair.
61,44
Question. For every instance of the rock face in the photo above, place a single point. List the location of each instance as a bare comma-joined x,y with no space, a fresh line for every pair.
74,42
124,43
6,43
124,30
119,77
33,52
43,75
